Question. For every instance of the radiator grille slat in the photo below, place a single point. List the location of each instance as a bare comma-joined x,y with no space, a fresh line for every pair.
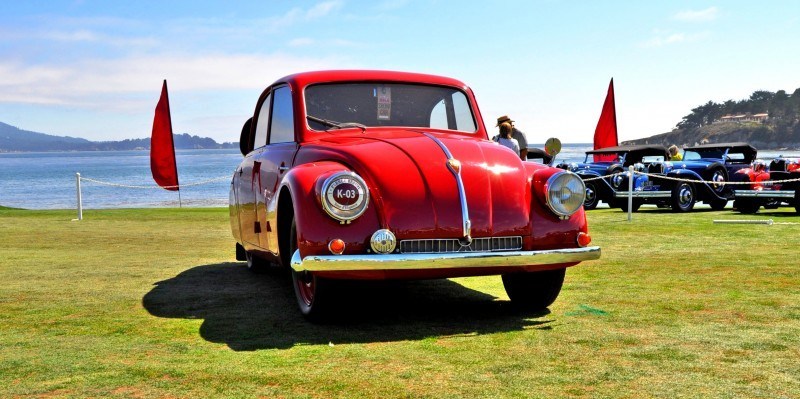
449,245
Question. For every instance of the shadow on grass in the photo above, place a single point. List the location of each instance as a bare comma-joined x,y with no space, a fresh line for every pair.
250,311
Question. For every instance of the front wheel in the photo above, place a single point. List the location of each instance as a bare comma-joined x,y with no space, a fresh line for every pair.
683,197
312,292
534,291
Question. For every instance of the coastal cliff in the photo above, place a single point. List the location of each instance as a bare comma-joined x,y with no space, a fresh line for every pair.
761,136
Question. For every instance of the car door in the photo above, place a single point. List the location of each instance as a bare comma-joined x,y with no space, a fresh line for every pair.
250,179
274,161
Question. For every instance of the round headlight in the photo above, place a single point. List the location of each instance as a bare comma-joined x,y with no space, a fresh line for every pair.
565,193
345,196
573,167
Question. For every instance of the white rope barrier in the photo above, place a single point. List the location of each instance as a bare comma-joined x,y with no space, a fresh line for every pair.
78,179
664,177
216,179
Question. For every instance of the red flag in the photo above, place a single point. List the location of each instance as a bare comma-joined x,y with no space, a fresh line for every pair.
162,149
605,134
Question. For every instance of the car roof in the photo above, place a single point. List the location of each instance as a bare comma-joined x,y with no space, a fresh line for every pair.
656,148
744,147
748,150
303,79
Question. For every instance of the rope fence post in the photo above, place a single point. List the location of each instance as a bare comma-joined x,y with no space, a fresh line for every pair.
630,193
80,201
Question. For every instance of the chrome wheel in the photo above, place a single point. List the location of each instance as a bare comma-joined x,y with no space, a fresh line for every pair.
683,197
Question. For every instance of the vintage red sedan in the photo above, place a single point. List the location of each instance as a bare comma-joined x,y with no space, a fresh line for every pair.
390,175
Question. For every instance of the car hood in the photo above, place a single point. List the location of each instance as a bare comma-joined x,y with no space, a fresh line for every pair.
415,193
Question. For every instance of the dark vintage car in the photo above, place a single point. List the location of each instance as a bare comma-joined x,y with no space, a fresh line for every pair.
699,176
358,175
602,177
772,185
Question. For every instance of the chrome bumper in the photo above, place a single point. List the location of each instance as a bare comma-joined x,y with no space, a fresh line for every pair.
644,194
455,260
763,194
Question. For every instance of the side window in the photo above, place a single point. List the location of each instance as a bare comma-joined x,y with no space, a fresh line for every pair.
453,113
464,121
282,130
263,124
439,116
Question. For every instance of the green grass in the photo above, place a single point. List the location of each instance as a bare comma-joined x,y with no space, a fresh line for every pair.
150,303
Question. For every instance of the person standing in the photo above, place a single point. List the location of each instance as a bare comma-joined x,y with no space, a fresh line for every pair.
505,139
674,154
517,135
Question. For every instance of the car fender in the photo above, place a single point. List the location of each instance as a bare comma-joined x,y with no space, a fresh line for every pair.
300,197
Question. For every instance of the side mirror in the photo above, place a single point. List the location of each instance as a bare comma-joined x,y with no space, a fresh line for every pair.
552,147
245,145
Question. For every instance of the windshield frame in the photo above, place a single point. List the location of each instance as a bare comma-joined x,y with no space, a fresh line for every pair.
465,93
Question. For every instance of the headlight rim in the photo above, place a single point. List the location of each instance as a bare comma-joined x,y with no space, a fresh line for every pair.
564,214
343,216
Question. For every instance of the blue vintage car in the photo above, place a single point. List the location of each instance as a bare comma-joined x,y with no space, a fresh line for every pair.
603,178
699,176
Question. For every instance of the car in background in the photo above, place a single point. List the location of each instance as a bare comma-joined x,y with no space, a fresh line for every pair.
772,185
603,178
375,175
700,176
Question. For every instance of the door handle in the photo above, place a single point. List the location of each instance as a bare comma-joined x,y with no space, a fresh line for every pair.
283,168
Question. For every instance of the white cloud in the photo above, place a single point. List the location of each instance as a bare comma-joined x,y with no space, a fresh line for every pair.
115,84
665,39
709,14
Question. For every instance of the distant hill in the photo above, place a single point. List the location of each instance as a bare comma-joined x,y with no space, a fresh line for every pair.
761,136
766,120
13,139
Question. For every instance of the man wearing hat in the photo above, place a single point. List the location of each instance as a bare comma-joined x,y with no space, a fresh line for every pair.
515,134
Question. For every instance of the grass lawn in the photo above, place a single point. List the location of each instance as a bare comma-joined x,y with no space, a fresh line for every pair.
150,303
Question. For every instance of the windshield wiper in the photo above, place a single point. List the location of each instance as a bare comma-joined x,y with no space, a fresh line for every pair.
337,125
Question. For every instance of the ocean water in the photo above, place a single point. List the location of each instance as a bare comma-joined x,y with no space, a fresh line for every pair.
47,180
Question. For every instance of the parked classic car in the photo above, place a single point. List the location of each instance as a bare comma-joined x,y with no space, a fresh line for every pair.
390,175
623,156
772,185
699,176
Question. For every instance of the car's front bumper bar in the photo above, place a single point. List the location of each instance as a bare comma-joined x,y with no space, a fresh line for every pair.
763,194
454,260
644,194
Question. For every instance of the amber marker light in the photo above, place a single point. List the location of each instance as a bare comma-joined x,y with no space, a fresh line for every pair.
584,239
336,246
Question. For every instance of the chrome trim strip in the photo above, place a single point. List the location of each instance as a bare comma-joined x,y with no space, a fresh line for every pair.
763,194
458,260
466,227
644,194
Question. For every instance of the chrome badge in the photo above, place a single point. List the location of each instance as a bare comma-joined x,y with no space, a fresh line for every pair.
383,241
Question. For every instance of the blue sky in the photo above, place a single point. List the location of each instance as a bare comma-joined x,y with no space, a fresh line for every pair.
93,69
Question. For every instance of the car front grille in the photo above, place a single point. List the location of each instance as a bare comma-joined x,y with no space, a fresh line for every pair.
445,245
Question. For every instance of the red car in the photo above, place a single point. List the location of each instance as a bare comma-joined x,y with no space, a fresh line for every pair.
389,175
771,186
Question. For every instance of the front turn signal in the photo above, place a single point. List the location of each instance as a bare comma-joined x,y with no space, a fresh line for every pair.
584,239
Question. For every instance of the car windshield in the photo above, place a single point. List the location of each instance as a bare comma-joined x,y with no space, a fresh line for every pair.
332,106
716,153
